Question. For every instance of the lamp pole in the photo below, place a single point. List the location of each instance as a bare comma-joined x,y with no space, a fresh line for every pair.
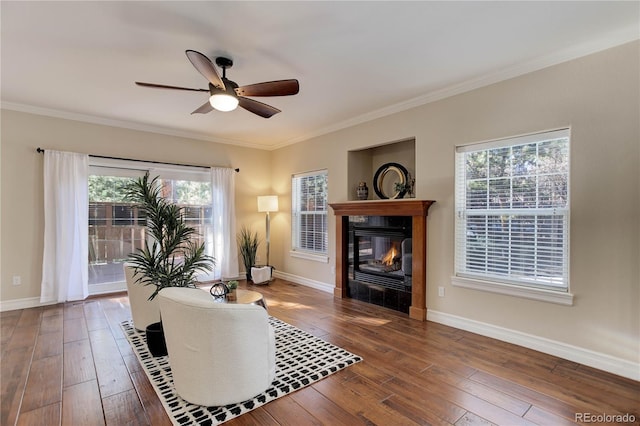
267,204
268,221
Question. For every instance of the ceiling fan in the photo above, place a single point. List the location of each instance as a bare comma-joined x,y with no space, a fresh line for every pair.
226,95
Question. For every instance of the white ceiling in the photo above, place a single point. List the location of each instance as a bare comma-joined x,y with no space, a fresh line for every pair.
355,60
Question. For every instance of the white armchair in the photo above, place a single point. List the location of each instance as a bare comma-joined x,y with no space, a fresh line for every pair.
143,310
220,353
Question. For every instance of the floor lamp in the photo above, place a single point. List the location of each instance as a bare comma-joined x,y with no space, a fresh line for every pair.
267,204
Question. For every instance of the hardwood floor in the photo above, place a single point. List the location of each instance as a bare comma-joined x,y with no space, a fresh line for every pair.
70,364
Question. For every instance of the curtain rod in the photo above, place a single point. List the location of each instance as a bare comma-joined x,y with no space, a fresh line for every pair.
40,150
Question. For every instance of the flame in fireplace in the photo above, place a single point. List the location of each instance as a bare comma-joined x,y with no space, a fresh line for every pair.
391,254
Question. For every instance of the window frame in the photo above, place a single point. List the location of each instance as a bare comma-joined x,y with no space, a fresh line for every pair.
508,284
296,215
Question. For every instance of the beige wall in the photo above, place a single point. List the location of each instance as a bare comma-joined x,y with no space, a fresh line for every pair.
22,187
598,96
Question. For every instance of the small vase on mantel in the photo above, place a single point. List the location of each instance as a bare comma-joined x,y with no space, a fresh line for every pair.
362,191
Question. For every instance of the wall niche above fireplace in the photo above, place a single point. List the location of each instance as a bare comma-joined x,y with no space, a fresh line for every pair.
363,163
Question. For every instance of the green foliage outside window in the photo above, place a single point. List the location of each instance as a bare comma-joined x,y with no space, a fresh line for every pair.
111,189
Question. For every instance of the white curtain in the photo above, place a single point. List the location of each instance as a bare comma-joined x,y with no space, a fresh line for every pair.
225,248
66,227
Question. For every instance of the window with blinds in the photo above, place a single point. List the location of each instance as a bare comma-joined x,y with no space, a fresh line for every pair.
309,213
512,211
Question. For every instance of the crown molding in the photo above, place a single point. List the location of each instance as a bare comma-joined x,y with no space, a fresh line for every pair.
92,119
618,38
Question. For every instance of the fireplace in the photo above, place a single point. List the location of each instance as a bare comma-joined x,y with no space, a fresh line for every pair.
380,260
381,253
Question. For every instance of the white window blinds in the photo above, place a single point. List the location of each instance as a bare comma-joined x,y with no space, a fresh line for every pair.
309,212
512,210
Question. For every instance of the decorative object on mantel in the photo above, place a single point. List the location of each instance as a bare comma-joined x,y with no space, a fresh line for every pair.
402,178
406,187
315,359
362,191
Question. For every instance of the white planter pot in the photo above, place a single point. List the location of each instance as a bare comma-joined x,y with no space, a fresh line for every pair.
143,310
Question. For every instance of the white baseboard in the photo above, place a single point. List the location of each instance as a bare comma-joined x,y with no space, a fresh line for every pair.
318,285
34,302
106,288
28,302
611,364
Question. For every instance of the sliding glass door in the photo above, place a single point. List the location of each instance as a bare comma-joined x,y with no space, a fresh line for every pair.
117,227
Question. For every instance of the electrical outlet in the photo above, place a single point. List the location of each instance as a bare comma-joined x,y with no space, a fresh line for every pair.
17,280
441,291
257,259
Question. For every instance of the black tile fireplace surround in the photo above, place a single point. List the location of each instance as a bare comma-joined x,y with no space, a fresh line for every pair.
380,261
413,208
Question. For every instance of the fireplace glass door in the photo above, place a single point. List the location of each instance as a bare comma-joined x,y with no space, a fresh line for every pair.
381,253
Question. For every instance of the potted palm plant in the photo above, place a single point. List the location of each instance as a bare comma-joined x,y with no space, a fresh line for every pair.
169,256
248,244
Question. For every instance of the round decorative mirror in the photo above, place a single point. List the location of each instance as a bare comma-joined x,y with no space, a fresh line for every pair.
386,178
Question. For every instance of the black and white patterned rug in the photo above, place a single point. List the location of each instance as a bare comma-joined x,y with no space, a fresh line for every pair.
301,359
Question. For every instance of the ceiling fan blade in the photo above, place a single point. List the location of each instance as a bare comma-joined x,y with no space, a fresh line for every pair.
164,86
203,109
205,67
270,88
263,110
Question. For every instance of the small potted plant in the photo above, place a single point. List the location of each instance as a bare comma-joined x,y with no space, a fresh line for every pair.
248,244
232,286
405,188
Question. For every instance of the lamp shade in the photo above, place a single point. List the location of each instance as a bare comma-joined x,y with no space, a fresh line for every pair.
268,203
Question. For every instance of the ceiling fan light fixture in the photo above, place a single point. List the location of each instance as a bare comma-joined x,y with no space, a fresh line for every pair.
225,94
223,102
